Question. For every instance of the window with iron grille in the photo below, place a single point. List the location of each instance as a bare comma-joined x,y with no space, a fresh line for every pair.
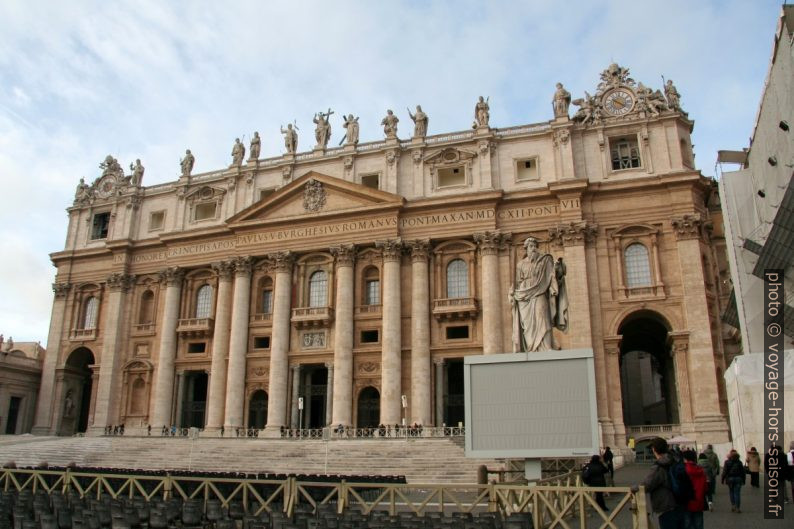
625,153
91,313
457,279
318,289
638,268
204,302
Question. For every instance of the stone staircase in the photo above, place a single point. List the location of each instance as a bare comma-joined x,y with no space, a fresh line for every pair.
430,460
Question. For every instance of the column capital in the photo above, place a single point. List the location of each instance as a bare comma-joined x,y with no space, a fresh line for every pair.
120,282
490,242
345,254
612,345
438,361
61,290
242,265
574,233
687,226
281,261
419,248
679,342
329,365
391,248
172,275
224,269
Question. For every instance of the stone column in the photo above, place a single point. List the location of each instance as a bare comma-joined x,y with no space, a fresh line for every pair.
573,236
296,384
106,412
700,365
420,334
216,398
615,395
180,400
329,394
342,406
44,404
391,355
439,365
238,345
279,343
492,339
164,381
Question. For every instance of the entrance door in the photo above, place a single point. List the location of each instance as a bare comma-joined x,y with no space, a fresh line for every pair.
195,402
13,414
454,411
257,410
368,408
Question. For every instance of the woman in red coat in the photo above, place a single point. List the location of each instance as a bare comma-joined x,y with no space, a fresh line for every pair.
700,484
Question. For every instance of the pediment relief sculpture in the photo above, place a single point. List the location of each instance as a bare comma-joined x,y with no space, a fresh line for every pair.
450,156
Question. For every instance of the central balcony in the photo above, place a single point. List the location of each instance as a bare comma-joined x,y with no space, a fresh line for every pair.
455,308
312,316
195,327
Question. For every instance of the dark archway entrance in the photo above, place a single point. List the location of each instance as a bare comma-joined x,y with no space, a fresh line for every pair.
314,392
257,410
454,411
194,404
647,372
77,387
368,408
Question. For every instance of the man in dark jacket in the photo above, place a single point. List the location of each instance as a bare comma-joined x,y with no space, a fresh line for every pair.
657,485
594,475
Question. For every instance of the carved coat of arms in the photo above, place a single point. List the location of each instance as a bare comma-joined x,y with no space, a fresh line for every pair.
313,196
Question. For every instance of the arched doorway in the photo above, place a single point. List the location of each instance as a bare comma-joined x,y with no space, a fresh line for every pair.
647,372
257,409
368,408
76,392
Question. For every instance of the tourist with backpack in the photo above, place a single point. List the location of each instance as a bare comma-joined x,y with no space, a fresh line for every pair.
665,475
711,477
733,475
594,475
693,516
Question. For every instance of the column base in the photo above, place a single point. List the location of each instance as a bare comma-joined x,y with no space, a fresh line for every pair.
95,431
711,429
42,431
212,431
271,432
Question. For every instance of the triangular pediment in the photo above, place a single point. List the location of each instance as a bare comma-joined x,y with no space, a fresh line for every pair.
316,195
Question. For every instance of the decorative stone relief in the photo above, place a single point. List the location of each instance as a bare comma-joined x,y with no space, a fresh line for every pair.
420,249
258,371
489,242
348,163
368,368
573,233
61,290
687,226
391,249
345,254
313,340
313,196
282,261
242,265
172,275
118,281
561,137
224,269
392,156
286,172
417,156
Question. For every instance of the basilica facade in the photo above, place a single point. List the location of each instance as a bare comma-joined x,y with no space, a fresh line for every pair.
344,286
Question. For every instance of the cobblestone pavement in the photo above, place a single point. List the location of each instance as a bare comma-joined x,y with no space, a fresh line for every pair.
722,518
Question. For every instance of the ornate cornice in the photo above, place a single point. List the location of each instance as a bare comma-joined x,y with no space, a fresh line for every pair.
224,269
243,265
120,282
61,290
574,233
687,226
345,254
391,249
420,249
172,275
282,261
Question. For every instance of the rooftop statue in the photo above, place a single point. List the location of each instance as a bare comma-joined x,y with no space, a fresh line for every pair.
589,109
390,125
83,192
256,144
561,101
482,113
290,138
420,122
322,133
538,300
672,95
238,153
111,166
187,162
351,125
137,169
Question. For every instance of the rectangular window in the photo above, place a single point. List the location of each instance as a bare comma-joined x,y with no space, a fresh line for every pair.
371,180
457,332
373,292
196,347
262,342
204,211
264,193
451,176
527,170
625,153
156,220
100,225
370,336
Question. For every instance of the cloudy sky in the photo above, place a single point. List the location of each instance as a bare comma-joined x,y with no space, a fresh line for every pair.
147,79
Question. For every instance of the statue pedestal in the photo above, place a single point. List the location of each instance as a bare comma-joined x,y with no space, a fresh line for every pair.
482,131
418,140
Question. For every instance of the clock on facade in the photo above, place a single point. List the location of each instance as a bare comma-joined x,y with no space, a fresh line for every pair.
619,102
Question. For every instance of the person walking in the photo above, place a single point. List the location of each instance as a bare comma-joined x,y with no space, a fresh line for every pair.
608,458
733,475
657,485
753,466
703,462
594,475
693,516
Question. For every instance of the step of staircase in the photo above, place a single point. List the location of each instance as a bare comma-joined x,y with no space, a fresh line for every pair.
431,461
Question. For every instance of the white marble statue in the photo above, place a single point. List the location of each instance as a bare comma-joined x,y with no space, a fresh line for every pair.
420,122
390,125
482,113
256,144
290,138
561,101
322,133
137,172
187,162
351,125
238,153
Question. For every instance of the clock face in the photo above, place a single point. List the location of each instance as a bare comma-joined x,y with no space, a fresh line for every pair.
619,102
105,187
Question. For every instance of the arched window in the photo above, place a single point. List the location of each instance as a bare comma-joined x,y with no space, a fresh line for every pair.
371,286
267,296
204,302
638,268
318,289
146,311
90,313
457,279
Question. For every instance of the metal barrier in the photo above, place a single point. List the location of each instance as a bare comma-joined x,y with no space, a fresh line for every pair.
550,501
